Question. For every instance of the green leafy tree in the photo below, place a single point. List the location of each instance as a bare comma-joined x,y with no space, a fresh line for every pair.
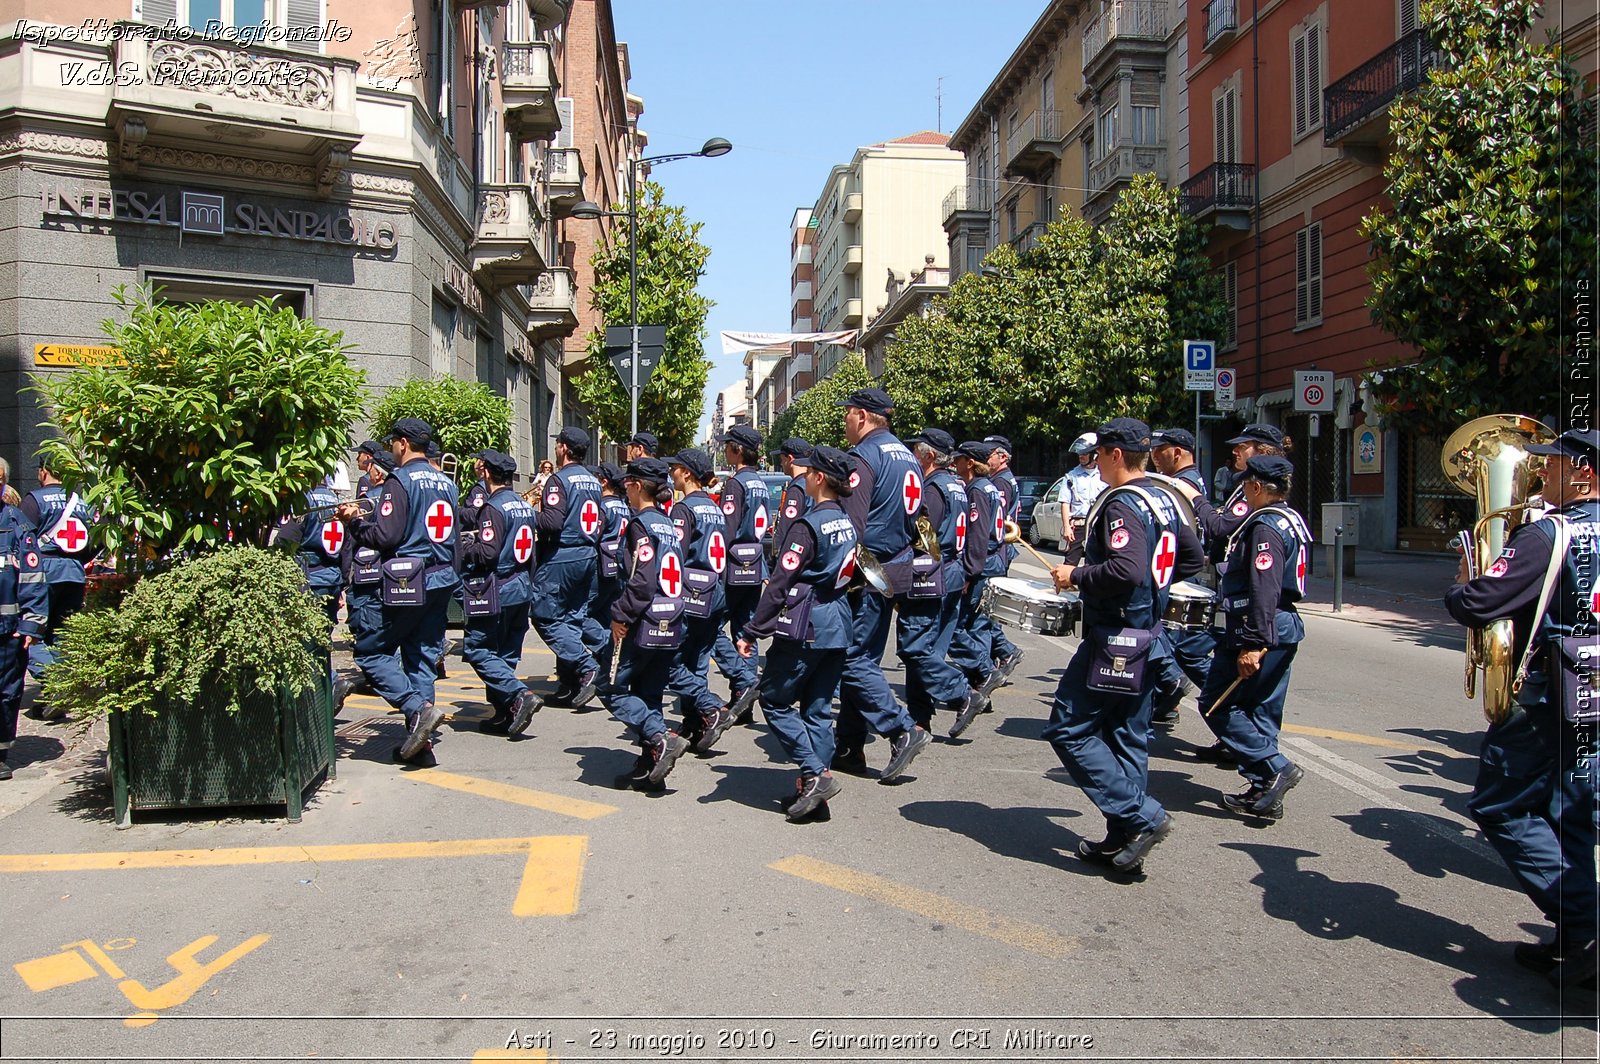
816,415
466,416
1491,230
671,262
221,417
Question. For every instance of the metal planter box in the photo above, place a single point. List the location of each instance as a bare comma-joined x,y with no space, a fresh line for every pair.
197,756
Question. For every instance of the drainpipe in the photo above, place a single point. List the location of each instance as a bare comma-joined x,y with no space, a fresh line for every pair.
1255,109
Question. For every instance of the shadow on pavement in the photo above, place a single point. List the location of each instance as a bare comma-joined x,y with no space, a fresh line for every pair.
1024,834
34,750
599,766
1425,854
1468,744
757,787
1329,909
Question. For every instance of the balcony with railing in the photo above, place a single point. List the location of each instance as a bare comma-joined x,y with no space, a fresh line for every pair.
852,312
974,196
552,304
1025,240
1139,22
528,89
1222,22
1108,174
1222,192
563,178
1351,103
508,238
1037,141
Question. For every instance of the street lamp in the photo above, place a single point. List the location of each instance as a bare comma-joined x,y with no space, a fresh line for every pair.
590,211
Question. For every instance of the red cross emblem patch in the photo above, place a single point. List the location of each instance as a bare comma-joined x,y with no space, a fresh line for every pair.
332,538
911,491
855,478
522,546
72,534
791,511
1165,560
961,531
791,560
589,518
387,508
32,560
761,521
552,497
1240,508
644,552
441,521
1119,539
1498,568
847,570
1264,561
727,507
486,533
671,575
999,526
717,551
1300,571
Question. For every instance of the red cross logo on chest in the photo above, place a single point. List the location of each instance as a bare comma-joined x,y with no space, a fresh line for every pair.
332,538
671,575
911,491
441,521
72,534
961,531
522,546
717,551
1300,571
589,518
1166,558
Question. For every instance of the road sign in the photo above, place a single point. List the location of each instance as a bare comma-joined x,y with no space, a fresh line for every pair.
1313,391
1199,366
1225,397
77,355
619,348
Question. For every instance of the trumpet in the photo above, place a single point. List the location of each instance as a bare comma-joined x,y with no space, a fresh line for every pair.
365,506
1013,534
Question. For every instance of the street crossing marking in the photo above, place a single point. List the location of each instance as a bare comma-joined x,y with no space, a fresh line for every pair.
1031,937
549,887
506,792
1365,740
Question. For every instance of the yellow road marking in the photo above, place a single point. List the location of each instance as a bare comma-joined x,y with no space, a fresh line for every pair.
1366,740
1030,937
506,792
512,1054
549,886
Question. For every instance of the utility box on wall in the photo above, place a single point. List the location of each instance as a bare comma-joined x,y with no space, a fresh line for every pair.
1345,515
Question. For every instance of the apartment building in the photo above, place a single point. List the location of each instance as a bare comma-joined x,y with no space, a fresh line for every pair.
395,172
761,365
794,374
904,297
878,212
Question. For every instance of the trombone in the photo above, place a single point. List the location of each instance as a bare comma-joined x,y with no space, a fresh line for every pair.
365,506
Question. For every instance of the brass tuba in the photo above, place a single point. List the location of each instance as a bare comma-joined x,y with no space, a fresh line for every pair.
1487,459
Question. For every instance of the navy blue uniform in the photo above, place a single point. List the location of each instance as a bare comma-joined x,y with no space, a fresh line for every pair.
747,511
363,576
1535,793
321,539
806,613
63,523
927,625
1005,482
416,519
1132,554
655,581
792,505
978,639
24,611
1217,525
1191,647
570,524
887,482
703,539
610,572
503,549
1264,577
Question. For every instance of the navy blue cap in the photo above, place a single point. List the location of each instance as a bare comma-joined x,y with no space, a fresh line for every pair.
977,450
1128,433
743,435
647,440
1003,442
609,472
502,465
872,400
1174,438
434,450
649,469
573,436
938,439
1084,444
831,461
1573,443
418,431
1270,435
1271,468
795,447
372,447
696,461
385,461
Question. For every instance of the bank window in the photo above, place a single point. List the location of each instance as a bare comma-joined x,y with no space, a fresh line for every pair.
298,17
1308,276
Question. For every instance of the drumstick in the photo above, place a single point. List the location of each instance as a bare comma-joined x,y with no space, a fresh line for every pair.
1048,565
1223,698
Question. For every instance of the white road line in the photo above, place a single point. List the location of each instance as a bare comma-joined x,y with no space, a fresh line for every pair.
1343,763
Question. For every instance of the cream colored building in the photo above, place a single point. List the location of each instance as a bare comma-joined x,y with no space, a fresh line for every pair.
875,216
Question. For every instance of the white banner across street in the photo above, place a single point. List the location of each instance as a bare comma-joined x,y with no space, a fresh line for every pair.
734,343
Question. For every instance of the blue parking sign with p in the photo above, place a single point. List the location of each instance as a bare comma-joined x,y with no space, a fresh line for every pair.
1200,355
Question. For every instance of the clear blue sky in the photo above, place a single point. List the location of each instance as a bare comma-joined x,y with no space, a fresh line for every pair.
796,88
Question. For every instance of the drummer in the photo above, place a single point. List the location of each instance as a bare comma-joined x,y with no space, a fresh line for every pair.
1185,672
971,649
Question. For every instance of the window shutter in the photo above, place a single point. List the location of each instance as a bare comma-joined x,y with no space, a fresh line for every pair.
303,15
1224,132
1314,76
1408,18
1230,291
1298,67
564,109
155,12
1314,272
1301,309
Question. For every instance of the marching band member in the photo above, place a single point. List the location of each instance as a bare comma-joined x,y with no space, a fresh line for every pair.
569,533
794,501
747,510
1191,649
1003,653
609,574
972,649
703,542
62,522
24,613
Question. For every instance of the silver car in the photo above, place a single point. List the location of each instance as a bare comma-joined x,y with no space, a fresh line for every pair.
1046,527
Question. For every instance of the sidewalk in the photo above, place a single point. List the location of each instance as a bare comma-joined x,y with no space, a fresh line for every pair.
1388,588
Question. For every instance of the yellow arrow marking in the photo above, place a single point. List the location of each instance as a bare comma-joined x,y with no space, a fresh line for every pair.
549,886
506,792
1018,933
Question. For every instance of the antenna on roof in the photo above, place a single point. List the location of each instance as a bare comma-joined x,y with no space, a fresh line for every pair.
938,103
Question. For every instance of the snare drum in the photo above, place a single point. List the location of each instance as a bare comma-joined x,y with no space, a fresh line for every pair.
1190,607
1031,606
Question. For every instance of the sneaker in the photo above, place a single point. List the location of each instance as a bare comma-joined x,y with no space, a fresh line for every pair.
1245,801
342,687
1165,712
588,685
1274,789
711,729
966,711
1101,852
1138,846
1007,665
664,753
562,696
421,731
522,711
990,683
742,705
1577,967
1539,956
637,777
851,759
814,790
1218,753
903,749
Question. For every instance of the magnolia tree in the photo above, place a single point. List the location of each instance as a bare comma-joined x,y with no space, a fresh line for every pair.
466,416
816,416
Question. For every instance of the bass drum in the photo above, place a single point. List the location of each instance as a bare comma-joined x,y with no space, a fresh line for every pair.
1031,606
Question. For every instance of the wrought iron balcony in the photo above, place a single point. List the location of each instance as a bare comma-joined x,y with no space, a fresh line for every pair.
973,196
1037,141
528,89
563,178
552,304
1222,22
1125,20
1355,99
508,241
1024,241
1121,164
1224,192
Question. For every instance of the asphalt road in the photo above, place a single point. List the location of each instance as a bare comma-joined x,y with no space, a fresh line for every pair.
513,898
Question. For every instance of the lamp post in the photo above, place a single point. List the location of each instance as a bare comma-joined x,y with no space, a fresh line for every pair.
589,211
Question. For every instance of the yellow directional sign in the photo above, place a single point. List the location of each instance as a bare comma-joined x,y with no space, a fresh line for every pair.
77,355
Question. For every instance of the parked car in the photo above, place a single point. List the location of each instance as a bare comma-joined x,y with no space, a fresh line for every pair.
1046,524
1028,489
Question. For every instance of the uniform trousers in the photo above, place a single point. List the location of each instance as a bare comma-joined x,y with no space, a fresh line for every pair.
1252,717
922,639
741,606
641,684
399,653
608,589
66,598
865,699
13,667
1103,740
494,650
1535,800
1191,649
797,687
561,594
972,644
692,664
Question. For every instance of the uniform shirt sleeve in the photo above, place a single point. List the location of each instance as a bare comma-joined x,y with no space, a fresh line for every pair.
792,497
384,533
473,504
1263,552
933,504
734,503
482,555
33,593
30,509
552,505
640,587
683,520
1509,587
859,504
1007,499
1218,524
1191,555
800,542
980,519
1127,564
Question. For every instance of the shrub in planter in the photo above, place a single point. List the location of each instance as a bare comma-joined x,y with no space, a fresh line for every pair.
214,676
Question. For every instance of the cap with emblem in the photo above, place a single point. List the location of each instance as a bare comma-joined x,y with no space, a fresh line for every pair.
1002,442
573,436
830,461
502,465
609,472
696,461
743,435
414,429
977,450
648,441
385,461
1125,433
653,470
371,447
1084,444
872,400
795,447
1270,435
1174,438
1271,469
1573,443
938,439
